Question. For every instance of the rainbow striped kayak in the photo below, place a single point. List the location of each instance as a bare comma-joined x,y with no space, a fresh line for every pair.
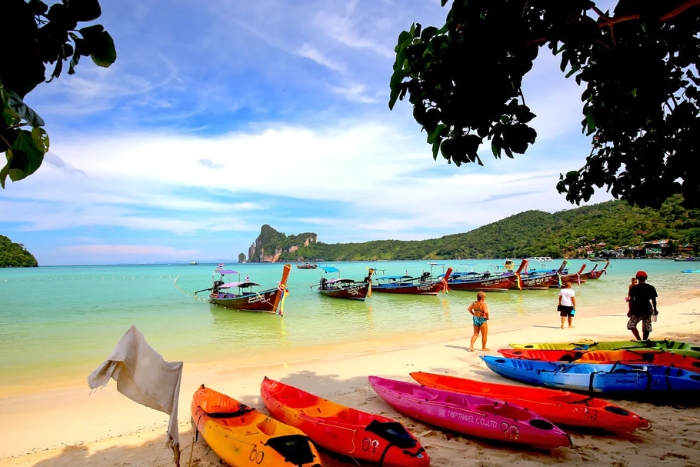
679,347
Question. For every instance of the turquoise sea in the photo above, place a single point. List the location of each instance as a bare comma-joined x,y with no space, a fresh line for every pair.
63,321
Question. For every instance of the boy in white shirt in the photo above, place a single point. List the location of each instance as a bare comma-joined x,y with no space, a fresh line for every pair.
567,303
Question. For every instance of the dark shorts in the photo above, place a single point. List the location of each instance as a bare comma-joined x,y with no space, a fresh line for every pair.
564,310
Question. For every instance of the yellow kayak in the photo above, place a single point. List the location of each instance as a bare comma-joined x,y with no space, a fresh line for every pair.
241,436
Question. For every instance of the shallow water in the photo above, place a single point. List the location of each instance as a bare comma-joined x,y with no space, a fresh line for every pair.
64,320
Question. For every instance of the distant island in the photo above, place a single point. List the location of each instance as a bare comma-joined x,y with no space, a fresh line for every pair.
613,228
14,255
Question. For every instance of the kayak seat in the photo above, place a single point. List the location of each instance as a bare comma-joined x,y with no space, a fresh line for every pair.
299,400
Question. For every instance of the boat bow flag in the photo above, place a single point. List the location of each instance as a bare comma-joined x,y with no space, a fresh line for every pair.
145,377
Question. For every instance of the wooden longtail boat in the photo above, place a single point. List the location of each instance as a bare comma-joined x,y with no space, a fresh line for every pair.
625,357
306,265
345,288
559,407
559,279
243,437
487,281
344,430
242,295
479,416
593,274
423,285
535,280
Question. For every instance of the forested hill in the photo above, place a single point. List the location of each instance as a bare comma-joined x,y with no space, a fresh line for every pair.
530,233
13,255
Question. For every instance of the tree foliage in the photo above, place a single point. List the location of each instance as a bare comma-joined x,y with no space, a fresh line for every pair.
638,67
14,255
531,233
35,35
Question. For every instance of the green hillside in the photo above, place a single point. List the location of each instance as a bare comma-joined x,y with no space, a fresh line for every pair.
13,255
531,233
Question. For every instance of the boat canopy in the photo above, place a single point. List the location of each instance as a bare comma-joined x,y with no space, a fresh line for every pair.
226,271
330,269
334,281
243,285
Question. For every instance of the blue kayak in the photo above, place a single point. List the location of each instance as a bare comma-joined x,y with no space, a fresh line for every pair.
596,377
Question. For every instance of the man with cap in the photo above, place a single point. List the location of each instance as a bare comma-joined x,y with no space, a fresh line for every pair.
642,306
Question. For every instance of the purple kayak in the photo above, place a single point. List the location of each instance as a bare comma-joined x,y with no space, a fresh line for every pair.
472,415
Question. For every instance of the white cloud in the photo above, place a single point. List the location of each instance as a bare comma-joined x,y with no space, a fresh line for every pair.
308,51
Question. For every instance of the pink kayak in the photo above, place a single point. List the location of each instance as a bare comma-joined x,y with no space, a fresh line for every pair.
472,415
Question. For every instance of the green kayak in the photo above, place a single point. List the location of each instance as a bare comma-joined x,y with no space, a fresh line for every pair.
682,348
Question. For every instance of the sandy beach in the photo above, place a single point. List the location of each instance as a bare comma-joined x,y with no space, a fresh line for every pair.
68,426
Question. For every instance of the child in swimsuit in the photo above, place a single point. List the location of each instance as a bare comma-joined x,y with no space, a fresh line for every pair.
480,312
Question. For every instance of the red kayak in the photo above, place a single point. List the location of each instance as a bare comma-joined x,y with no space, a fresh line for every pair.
625,357
344,430
559,407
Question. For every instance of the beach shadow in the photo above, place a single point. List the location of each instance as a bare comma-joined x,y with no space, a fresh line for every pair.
459,347
548,327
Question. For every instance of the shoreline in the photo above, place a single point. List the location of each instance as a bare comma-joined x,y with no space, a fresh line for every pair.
106,421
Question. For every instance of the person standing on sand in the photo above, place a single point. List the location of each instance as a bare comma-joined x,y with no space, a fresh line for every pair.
567,303
642,306
634,282
480,312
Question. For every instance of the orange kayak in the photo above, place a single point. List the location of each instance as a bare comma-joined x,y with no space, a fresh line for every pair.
625,357
559,407
342,429
243,437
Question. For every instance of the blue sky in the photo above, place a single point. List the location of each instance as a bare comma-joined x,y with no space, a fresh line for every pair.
221,116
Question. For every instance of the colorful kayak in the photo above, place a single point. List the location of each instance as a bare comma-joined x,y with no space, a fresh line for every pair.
626,357
344,430
683,348
559,407
472,415
241,436
598,377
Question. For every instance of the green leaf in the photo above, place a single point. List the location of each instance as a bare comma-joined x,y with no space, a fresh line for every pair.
103,51
84,10
27,157
22,110
496,146
590,122
38,7
6,170
41,139
73,62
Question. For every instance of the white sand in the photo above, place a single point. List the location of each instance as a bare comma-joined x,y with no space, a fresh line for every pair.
69,427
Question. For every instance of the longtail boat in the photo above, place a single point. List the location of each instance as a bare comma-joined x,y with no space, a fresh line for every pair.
475,281
536,280
306,265
486,281
243,437
423,285
345,288
344,430
242,295
679,347
625,357
596,274
484,417
559,407
560,278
